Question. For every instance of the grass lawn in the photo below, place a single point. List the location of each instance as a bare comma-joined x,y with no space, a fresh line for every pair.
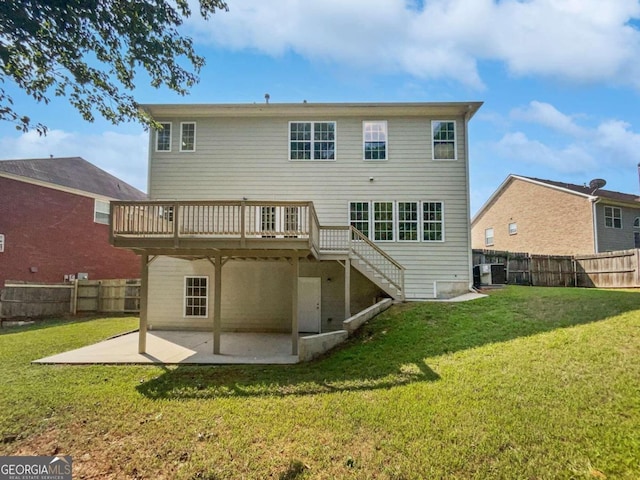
531,383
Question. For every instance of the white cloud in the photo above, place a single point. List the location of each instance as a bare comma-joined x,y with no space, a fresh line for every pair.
575,40
122,155
611,144
570,159
547,115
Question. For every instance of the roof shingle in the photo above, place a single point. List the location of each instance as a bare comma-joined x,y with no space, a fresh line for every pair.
73,172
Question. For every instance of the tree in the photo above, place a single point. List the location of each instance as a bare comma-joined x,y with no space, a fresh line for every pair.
90,52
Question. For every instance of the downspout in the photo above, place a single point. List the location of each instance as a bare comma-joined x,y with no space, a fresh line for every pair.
468,206
594,218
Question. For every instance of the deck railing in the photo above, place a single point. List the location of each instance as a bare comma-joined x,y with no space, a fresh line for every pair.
349,240
214,220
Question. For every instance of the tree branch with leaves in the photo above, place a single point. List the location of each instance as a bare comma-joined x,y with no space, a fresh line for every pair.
90,51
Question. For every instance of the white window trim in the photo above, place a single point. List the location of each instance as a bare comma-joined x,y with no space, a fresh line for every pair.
170,138
386,141
455,142
493,237
313,122
184,297
515,228
396,220
394,223
636,222
442,240
1,242
612,216
419,225
96,211
194,136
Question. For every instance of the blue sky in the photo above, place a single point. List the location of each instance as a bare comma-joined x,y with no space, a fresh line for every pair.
560,80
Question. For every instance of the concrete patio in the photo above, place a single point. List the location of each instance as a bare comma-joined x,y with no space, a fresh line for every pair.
179,347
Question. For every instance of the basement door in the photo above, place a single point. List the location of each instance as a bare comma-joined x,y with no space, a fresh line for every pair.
309,296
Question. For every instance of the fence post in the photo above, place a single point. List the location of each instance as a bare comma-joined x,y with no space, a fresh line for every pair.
74,297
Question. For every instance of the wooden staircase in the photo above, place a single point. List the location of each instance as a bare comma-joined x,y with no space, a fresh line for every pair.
338,243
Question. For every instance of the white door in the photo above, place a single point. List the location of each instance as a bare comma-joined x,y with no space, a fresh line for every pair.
309,295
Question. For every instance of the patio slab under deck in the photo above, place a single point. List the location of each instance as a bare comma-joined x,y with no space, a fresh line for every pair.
179,347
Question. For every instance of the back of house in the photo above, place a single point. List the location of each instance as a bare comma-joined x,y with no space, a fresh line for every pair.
395,173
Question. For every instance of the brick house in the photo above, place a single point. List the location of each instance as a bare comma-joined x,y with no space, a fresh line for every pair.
54,221
556,218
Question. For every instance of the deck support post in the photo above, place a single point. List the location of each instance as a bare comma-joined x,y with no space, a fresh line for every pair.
347,288
144,302
295,273
217,304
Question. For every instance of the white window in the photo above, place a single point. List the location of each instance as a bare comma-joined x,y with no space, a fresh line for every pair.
101,212
432,221
612,217
1,242
291,222
408,221
163,138
312,140
488,237
268,221
359,217
636,239
443,134
513,228
188,137
196,296
375,140
636,223
383,221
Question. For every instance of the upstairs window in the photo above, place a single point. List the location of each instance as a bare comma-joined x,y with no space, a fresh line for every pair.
1,243
636,223
444,139
163,138
188,137
612,217
101,212
488,237
312,140
432,222
375,140
196,296
513,228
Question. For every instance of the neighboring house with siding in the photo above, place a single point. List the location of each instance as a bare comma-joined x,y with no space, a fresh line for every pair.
556,218
288,217
54,221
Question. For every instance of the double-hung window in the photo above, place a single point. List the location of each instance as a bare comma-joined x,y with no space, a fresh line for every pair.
312,140
163,137
359,217
408,221
1,242
612,217
101,212
375,140
488,237
443,134
432,222
383,221
196,296
188,137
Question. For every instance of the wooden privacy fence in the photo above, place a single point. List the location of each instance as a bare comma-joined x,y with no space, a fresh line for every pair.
19,300
610,269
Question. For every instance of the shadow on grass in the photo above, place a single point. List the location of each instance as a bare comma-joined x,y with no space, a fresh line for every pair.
43,323
392,349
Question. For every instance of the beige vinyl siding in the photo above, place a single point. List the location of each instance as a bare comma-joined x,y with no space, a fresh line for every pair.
248,158
611,239
256,295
